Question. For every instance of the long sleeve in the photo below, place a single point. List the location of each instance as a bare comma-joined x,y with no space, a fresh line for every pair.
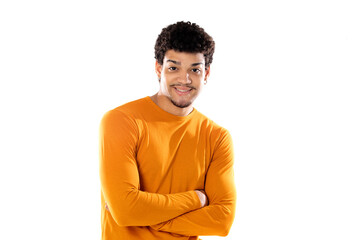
120,182
217,218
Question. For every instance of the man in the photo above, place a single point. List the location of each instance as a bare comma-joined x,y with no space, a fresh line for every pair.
166,170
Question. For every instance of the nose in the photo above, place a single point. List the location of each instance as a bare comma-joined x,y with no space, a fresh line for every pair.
185,78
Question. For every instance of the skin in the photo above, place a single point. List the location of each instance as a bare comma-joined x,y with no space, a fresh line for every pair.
182,77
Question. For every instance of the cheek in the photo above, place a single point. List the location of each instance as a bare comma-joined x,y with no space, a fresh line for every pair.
164,77
164,84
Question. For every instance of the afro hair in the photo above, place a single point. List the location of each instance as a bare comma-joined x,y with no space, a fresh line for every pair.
184,37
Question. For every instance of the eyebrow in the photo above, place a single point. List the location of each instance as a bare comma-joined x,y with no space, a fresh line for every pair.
179,63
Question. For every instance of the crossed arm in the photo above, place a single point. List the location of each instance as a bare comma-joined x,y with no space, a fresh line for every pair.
182,213
218,216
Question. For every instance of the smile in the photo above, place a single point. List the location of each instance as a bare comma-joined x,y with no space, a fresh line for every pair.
182,90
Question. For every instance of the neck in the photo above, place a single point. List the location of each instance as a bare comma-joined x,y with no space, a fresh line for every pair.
165,104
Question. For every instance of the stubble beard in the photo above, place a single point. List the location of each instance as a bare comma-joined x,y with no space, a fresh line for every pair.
179,105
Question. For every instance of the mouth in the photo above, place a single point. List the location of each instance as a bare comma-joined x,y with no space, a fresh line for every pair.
183,90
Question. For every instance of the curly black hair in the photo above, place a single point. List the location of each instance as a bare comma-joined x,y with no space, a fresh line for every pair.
184,37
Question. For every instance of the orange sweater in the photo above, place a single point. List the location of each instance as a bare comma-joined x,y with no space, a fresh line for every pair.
150,164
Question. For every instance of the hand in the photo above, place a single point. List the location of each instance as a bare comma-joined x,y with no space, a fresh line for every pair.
202,197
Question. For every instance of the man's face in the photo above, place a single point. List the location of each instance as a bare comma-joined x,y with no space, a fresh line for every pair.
182,77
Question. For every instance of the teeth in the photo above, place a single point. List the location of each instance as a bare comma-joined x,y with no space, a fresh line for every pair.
183,90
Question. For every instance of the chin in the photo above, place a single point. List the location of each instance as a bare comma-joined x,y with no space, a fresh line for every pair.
181,105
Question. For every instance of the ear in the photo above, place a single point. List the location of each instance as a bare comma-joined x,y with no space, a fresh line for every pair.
207,74
158,69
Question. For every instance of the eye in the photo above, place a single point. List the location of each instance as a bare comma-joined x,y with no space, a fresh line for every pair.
196,70
172,68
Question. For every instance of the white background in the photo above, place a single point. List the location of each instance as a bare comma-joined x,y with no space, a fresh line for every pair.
284,81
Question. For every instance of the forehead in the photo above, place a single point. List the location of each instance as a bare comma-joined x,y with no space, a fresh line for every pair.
184,57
